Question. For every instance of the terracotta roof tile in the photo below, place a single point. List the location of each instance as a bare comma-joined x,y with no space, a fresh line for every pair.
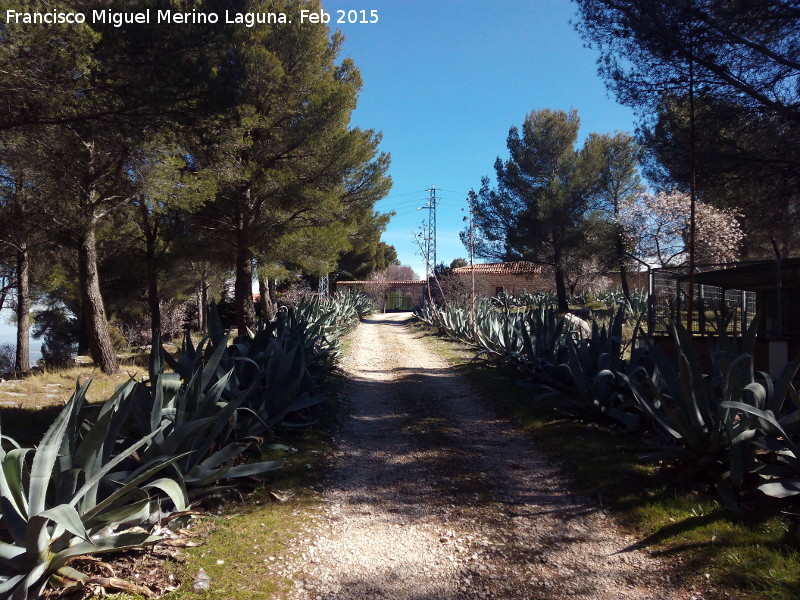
409,282
521,267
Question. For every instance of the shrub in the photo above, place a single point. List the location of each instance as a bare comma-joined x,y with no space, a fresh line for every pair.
60,331
8,355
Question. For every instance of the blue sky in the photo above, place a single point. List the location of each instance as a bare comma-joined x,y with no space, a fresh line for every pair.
444,80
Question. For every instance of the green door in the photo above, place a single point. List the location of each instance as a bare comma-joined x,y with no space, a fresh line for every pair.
397,300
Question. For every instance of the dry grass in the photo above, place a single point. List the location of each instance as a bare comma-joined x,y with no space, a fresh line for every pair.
30,404
53,386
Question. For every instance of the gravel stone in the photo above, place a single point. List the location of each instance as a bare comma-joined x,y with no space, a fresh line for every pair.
432,496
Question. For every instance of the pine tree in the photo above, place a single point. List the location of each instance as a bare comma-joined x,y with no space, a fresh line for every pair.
538,210
287,162
618,157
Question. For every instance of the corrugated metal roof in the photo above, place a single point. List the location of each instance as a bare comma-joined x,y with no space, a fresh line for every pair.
521,267
752,276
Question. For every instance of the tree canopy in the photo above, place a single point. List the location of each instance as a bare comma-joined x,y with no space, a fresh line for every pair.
294,178
656,227
166,156
716,85
618,158
744,54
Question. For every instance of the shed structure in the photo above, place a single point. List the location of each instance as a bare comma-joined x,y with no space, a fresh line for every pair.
737,293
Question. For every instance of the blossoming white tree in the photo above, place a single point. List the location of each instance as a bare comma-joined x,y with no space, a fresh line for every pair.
658,229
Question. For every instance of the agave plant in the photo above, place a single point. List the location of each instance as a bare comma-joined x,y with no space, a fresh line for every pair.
97,472
611,298
274,371
590,384
530,339
545,336
362,303
60,511
716,422
201,421
734,424
286,386
454,320
538,299
635,307
498,333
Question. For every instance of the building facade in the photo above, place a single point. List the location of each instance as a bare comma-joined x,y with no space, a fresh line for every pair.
511,278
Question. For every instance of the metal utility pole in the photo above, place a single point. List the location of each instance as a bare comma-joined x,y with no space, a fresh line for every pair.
324,286
693,197
472,259
430,259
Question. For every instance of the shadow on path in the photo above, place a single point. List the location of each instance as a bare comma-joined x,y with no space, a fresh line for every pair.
433,496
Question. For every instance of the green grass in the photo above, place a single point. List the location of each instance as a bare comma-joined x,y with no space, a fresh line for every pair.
754,557
248,533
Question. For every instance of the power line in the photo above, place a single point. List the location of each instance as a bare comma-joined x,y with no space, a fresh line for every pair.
404,195
402,205
408,212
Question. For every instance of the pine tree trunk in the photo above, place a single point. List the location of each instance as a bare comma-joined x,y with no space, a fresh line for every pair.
272,302
94,312
202,304
263,297
22,362
149,228
623,280
561,291
152,291
243,287
623,271
267,297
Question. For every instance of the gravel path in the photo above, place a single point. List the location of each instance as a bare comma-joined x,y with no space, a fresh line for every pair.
432,497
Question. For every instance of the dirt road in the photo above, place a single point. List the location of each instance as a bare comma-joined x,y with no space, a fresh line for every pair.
433,497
